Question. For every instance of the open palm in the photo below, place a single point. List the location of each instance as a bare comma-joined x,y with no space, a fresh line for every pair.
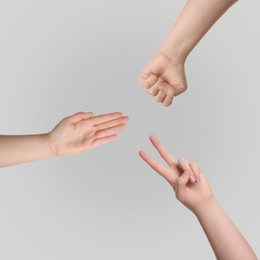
83,131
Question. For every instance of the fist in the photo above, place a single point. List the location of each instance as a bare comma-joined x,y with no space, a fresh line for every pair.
163,78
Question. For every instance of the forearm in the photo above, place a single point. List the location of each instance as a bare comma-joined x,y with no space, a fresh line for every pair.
23,148
195,20
226,240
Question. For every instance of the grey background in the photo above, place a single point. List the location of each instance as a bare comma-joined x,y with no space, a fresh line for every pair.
60,57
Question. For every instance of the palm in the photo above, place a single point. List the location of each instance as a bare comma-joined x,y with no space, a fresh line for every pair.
199,192
72,136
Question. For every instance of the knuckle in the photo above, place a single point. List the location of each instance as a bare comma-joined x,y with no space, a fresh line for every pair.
170,91
169,102
154,92
142,79
183,87
157,99
166,104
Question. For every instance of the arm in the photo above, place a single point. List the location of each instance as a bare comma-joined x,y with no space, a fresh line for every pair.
73,135
23,148
196,18
225,239
164,76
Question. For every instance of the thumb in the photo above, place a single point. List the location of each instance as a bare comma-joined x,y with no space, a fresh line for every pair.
181,184
147,80
79,116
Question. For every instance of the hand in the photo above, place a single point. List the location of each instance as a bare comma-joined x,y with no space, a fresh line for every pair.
83,131
189,183
163,78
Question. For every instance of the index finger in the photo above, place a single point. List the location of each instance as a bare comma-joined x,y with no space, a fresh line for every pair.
154,164
106,117
162,151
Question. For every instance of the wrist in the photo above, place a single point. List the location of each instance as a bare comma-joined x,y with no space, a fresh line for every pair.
52,151
176,54
204,207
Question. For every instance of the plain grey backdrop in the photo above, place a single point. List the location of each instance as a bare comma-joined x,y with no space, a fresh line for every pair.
61,57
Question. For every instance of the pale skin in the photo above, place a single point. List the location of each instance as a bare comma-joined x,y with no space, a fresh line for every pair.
225,239
72,135
164,75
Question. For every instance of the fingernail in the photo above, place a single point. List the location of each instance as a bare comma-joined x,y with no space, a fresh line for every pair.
192,178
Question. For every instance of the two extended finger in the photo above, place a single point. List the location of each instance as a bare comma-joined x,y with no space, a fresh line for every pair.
169,174
155,165
167,157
